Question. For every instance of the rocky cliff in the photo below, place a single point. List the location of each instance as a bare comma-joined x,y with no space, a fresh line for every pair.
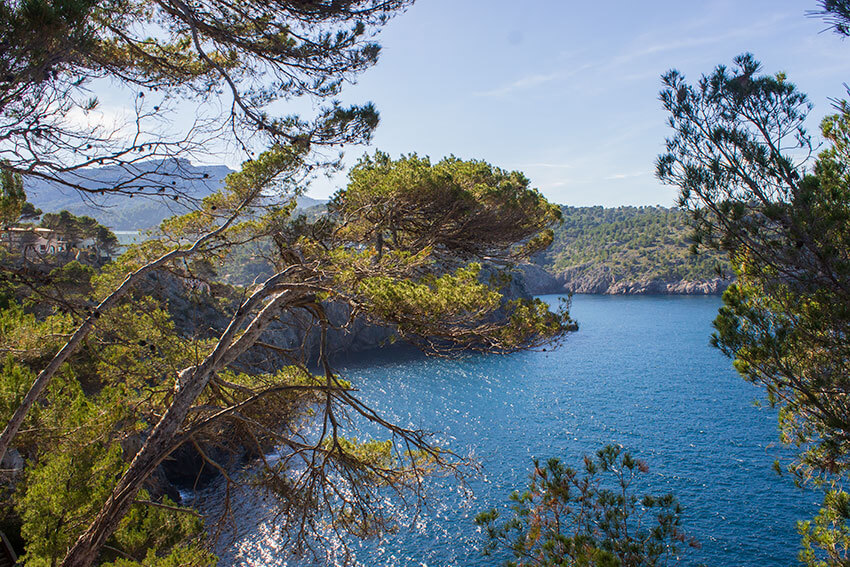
601,280
202,310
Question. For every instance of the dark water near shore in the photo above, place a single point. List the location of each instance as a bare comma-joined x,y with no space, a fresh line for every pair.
639,373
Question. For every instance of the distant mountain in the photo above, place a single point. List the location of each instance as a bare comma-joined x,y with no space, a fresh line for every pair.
146,208
305,203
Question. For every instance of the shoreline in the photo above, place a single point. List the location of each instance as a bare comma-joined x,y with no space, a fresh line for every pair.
538,281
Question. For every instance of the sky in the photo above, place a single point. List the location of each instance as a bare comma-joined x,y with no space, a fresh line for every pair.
567,92
564,91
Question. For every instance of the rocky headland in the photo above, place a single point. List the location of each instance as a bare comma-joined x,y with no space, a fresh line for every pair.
603,281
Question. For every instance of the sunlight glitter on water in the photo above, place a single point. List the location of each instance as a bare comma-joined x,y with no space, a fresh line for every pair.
639,373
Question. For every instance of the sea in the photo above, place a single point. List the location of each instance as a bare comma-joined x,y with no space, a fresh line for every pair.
639,373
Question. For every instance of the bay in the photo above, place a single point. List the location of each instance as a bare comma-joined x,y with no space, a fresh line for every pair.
639,373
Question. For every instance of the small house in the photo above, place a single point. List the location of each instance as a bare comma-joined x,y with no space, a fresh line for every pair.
33,242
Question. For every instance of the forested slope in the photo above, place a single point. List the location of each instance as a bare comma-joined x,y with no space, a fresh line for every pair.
630,250
596,249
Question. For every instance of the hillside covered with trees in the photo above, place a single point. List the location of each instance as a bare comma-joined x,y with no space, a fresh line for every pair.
630,250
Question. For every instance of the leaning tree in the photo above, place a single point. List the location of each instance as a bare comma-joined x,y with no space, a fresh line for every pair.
107,386
56,54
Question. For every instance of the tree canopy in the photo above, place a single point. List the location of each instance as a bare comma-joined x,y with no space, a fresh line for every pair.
108,379
744,162
455,207
122,369
566,517
239,57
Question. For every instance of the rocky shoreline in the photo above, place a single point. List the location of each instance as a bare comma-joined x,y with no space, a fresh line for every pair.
602,281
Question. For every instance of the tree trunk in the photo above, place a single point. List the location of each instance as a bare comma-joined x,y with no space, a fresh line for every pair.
158,446
164,436
46,375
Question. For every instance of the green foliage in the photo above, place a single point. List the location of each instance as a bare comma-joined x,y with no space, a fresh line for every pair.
403,242
32,339
12,197
826,542
632,243
62,492
566,518
163,536
188,556
134,388
75,229
132,371
15,380
75,450
30,212
67,487
433,300
72,279
53,51
786,230
456,207
837,14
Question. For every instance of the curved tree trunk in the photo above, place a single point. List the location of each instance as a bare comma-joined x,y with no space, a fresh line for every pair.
46,375
164,436
158,446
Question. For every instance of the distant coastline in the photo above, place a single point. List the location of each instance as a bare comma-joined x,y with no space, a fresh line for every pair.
596,250
627,251
538,281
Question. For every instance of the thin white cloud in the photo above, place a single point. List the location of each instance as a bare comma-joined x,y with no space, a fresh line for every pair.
532,81
618,176
631,55
522,83
768,26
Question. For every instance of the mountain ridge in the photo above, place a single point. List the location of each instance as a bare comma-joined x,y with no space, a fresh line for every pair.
147,197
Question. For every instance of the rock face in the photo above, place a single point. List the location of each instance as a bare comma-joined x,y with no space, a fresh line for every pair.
347,335
601,280
12,463
197,310
537,281
713,286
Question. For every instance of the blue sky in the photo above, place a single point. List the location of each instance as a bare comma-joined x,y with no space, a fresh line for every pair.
567,91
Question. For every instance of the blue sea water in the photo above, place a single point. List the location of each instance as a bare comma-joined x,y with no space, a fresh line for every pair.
639,373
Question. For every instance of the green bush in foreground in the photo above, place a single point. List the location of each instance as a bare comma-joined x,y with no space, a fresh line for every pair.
566,518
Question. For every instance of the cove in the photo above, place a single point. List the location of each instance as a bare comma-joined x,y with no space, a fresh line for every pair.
639,373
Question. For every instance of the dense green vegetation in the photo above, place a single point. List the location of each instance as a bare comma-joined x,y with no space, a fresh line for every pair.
589,517
634,243
785,225
104,381
122,383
